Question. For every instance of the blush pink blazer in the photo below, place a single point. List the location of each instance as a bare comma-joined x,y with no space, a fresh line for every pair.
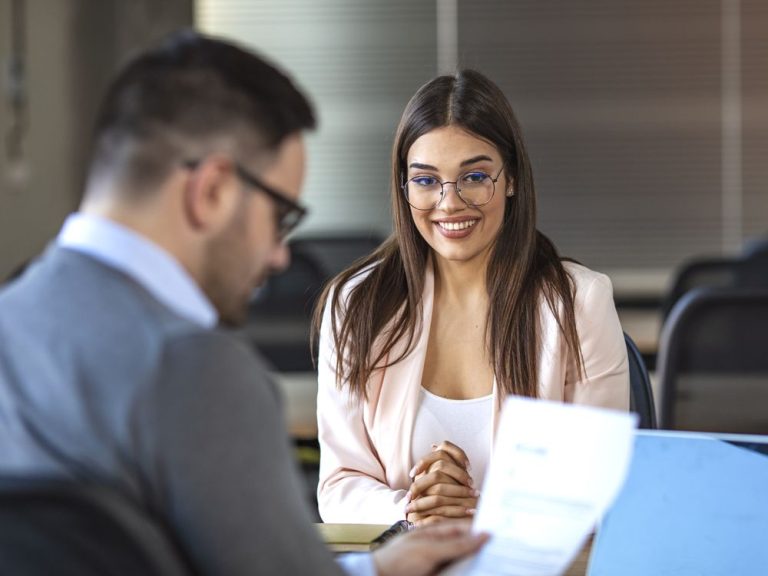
365,448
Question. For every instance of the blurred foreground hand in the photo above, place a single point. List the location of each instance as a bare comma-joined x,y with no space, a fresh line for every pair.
425,550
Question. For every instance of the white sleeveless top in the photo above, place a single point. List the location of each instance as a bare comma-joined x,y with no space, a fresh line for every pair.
466,423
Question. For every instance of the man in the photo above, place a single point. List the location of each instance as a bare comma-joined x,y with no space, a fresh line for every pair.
111,367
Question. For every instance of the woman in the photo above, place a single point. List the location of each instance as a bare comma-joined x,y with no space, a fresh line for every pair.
466,303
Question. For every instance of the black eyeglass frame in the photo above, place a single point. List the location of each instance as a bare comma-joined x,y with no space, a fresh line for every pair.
289,212
404,188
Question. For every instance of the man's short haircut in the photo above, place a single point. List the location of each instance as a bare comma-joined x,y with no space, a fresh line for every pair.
191,96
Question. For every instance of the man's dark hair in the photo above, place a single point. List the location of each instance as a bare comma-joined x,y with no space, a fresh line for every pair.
190,96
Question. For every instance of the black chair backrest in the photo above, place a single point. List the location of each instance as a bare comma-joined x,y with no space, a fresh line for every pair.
292,293
54,526
700,273
280,316
713,362
748,270
335,253
757,248
753,271
314,260
640,391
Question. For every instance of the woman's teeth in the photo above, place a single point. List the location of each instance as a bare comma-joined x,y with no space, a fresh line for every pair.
457,225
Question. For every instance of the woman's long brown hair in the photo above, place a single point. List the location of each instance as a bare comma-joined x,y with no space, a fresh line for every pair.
383,304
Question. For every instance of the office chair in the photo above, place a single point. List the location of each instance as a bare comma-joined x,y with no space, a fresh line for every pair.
756,248
55,526
699,273
640,391
338,251
280,316
713,362
753,271
748,270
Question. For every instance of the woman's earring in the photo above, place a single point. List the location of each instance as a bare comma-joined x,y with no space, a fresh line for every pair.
510,192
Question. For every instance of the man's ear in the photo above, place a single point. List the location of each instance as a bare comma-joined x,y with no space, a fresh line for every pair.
210,194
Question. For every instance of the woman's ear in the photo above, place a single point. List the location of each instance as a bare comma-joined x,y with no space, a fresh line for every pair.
510,188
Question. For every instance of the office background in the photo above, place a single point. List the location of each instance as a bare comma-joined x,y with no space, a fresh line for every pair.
647,120
646,123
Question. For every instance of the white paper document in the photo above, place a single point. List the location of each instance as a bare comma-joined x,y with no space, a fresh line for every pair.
555,470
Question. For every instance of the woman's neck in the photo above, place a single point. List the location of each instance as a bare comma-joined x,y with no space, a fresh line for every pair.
461,283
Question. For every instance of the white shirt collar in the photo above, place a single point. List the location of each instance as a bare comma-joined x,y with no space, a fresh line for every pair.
144,261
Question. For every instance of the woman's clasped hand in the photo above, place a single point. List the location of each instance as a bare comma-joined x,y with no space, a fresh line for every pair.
442,486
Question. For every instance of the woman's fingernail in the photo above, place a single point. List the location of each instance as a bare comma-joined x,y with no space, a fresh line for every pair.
471,482
412,472
471,511
476,493
408,496
434,447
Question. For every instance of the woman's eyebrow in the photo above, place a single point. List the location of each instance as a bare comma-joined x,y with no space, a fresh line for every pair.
420,166
474,159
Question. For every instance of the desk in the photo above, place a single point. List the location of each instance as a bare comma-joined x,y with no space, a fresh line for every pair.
350,537
357,538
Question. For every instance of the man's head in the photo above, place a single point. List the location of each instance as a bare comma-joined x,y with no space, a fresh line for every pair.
198,146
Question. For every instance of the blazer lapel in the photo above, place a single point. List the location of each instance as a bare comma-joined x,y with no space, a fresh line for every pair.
401,387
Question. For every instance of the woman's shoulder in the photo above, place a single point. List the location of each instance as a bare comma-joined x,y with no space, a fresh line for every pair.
343,287
349,282
584,277
588,284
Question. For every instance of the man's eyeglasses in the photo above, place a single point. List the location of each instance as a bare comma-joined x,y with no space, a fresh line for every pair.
288,213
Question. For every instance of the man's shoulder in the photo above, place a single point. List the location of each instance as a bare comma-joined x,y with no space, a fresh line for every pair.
207,345
201,358
67,287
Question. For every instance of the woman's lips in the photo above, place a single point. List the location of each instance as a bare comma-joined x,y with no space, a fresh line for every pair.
456,228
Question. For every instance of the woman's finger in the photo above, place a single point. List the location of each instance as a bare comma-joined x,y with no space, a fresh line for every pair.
444,473
428,461
429,504
443,451
426,521
447,467
449,511
423,483
459,456
454,490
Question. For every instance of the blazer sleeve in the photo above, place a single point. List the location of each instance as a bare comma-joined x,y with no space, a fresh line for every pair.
219,465
602,346
352,487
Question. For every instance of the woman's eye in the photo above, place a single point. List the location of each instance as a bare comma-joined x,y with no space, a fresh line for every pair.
475,177
424,181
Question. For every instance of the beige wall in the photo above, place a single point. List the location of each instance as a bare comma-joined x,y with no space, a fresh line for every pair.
72,48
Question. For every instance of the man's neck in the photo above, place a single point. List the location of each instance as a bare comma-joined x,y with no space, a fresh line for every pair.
151,220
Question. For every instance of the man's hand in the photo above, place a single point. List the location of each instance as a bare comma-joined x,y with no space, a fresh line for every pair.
424,550
442,488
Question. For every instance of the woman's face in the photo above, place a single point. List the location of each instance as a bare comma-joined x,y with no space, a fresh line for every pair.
454,230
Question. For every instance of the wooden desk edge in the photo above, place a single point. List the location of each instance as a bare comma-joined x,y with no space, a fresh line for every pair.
357,538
